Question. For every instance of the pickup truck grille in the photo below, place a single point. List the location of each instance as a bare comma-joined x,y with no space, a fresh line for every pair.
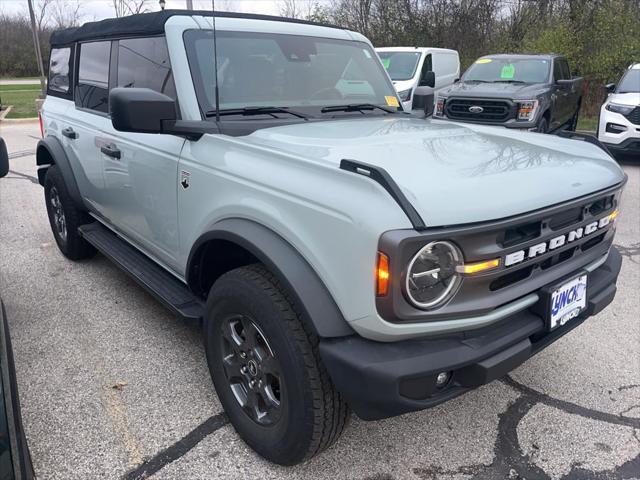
492,110
634,116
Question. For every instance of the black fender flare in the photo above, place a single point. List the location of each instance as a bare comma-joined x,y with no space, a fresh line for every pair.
56,151
316,304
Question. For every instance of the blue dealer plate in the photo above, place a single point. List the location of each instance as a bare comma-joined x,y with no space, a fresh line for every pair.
568,301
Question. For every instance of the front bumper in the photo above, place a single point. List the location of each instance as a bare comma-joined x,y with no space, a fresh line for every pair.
381,380
628,146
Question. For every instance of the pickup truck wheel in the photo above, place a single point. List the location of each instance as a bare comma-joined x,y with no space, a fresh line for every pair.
267,370
573,123
543,125
65,217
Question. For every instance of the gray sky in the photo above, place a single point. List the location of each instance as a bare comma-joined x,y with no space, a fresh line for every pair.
99,9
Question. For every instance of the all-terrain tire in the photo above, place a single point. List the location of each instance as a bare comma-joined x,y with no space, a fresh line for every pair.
543,125
312,413
65,217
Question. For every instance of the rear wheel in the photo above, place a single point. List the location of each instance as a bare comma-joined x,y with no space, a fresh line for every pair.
65,217
267,371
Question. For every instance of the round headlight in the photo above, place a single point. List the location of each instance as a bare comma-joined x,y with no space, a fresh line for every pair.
432,277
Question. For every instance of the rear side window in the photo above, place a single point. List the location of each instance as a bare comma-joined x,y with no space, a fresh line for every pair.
144,63
93,76
59,69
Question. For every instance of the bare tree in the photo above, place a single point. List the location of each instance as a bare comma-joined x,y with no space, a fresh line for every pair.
298,8
66,13
129,7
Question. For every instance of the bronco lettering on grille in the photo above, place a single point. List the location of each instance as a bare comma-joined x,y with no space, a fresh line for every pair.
555,242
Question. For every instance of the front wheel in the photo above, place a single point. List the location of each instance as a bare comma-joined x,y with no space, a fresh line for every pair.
543,125
267,371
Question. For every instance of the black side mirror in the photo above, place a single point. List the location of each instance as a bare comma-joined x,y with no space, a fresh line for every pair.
4,159
428,79
141,110
611,87
456,80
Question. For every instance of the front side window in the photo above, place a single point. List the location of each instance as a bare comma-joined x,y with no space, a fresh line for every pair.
508,70
93,76
144,63
59,70
308,73
400,65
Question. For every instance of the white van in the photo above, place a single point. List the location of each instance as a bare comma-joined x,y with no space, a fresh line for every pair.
408,67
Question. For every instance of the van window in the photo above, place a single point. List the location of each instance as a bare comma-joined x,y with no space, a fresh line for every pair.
93,76
59,70
427,66
144,63
400,65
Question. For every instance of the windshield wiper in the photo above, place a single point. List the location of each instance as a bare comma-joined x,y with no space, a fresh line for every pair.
248,111
355,107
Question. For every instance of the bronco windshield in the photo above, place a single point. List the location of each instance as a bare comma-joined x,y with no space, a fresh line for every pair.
400,65
286,71
504,69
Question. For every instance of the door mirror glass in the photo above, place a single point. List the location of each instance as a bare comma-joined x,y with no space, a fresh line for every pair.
141,110
611,87
4,159
428,79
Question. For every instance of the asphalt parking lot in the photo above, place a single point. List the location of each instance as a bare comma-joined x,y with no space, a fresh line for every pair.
113,386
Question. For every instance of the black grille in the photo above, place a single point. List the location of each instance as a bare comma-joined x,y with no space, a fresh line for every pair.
634,116
492,110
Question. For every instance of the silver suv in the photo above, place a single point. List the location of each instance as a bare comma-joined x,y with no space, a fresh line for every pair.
343,255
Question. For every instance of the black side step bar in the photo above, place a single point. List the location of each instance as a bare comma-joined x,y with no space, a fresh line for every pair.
380,175
165,287
584,137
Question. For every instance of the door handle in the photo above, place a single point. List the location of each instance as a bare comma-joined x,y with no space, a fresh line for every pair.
111,151
69,133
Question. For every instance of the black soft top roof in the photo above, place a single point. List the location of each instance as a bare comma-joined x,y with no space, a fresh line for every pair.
147,24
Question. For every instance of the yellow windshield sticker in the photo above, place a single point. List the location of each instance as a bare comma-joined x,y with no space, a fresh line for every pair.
392,101
484,60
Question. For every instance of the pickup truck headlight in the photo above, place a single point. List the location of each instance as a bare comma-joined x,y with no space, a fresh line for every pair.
621,109
439,112
527,110
405,95
432,276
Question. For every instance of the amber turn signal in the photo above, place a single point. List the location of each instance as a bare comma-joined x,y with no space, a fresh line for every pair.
479,267
382,275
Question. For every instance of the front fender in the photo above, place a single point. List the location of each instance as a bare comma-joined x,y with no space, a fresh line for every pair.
319,310
50,152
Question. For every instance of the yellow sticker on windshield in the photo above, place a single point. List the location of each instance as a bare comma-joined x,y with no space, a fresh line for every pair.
483,60
392,101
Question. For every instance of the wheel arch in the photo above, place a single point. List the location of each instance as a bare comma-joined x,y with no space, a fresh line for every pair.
51,152
237,242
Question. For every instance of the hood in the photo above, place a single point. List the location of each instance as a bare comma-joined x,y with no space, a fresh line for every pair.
631,99
493,90
455,174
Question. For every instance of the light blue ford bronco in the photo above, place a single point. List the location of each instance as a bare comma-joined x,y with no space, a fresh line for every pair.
259,174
